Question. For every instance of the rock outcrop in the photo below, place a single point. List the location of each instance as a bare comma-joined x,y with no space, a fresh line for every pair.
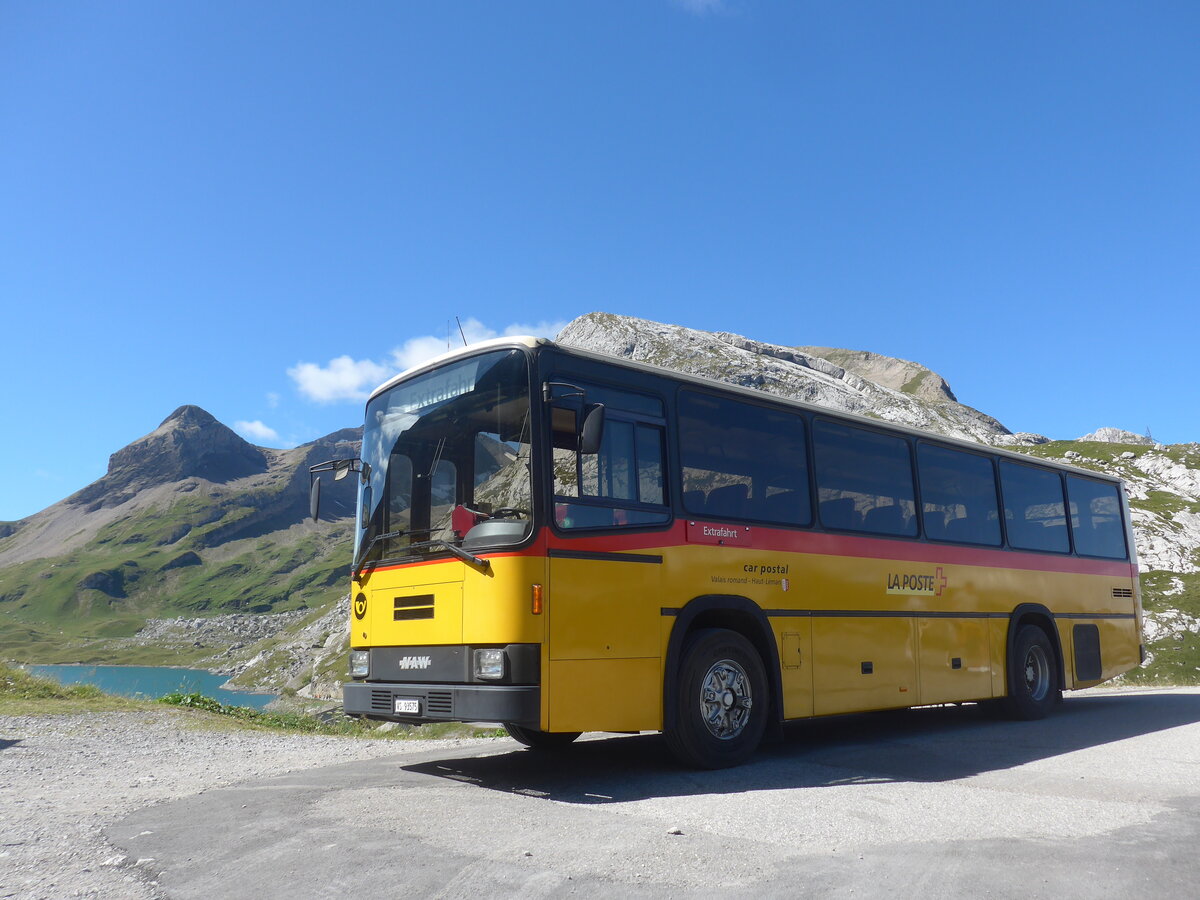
1117,436
897,374
791,372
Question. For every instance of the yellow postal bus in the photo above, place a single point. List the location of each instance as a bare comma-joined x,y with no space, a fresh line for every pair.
566,542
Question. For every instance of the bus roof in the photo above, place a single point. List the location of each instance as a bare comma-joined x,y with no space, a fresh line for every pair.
450,355
533,343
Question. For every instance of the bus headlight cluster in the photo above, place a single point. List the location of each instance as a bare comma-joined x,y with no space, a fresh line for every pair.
489,664
360,663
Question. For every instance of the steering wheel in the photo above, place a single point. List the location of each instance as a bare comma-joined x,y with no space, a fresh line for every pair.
509,512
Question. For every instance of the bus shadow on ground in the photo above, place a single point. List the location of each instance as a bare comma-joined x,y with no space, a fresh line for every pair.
5,743
915,745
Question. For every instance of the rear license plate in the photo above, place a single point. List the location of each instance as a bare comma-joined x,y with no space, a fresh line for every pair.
407,707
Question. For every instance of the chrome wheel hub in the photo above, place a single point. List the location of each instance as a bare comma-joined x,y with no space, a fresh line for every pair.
725,699
1037,673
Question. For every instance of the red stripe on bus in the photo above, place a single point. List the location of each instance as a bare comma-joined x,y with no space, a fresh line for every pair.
822,544
817,544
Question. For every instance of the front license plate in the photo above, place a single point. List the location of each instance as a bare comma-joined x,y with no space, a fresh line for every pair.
408,707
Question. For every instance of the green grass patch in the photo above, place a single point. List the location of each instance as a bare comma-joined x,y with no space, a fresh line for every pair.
913,385
336,725
1093,450
23,694
18,684
1176,659
1164,503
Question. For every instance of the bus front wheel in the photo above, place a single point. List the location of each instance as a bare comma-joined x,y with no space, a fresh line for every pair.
1032,675
721,701
540,740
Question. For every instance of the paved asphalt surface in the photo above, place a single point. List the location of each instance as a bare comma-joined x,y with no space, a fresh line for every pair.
1100,800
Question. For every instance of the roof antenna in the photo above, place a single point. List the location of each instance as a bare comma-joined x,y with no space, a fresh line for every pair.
460,331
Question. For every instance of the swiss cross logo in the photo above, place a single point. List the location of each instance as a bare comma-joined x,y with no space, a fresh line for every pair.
940,580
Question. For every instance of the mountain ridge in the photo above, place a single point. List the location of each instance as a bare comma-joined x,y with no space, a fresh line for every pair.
783,371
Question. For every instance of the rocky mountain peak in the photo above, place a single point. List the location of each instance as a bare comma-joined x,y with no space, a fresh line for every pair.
190,416
190,443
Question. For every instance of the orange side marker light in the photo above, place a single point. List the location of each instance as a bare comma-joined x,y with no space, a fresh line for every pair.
536,600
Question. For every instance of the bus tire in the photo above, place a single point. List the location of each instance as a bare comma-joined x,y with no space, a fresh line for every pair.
1032,676
722,701
540,740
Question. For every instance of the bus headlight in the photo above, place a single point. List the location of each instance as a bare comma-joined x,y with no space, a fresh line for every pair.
489,664
360,663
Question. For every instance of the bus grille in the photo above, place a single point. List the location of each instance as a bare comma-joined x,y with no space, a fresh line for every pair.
440,703
381,700
1125,593
418,607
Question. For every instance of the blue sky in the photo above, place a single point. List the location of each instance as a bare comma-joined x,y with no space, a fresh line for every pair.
211,203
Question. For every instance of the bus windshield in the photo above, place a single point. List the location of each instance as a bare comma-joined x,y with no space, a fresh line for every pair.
458,436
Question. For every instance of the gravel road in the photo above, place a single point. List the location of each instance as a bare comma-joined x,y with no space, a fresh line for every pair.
1100,800
63,779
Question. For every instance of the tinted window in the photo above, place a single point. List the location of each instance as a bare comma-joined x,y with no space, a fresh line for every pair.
742,461
864,480
626,474
1096,518
958,496
1033,508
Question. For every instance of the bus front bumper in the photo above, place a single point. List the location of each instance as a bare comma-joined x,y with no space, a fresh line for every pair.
398,702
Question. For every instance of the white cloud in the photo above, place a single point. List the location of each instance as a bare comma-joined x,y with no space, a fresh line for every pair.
272,400
345,378
256,431
541,329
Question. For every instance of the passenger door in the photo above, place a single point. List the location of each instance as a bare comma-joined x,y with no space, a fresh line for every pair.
604,593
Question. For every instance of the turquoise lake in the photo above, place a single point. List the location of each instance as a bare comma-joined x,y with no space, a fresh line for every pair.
152,682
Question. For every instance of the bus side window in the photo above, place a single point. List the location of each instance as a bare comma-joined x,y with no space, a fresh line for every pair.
864,480
742,461
621,485
958,496
1033,506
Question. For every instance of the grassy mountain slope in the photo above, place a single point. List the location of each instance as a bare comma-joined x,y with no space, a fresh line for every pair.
154,537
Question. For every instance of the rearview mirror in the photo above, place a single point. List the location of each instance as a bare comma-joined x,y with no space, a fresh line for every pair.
365,519
591,433
314,497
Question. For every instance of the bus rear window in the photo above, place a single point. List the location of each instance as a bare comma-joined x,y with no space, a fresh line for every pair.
1096,518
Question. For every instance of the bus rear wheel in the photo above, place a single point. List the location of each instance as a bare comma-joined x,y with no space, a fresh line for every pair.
540,740
1032,676
721,701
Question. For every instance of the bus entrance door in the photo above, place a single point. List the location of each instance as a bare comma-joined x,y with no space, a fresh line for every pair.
605,671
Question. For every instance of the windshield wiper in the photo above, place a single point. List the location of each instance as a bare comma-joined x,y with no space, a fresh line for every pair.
386,536
456,550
